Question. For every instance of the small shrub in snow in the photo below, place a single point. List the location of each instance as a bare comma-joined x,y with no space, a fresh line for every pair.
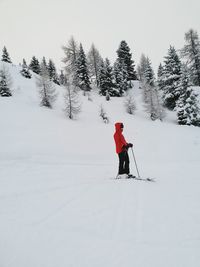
103,115
107,96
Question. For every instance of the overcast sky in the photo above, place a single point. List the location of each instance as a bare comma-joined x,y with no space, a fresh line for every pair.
41,27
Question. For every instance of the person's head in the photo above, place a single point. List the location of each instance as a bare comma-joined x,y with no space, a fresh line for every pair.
119,126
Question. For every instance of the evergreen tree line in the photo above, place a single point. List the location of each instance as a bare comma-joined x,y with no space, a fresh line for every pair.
92,70
170,89
45,80
36,66
176,76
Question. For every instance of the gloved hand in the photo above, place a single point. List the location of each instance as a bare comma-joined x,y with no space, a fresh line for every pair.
127,146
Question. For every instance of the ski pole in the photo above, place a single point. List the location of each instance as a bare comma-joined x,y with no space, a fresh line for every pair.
135,162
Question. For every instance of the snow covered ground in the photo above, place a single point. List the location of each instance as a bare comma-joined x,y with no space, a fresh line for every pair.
59,203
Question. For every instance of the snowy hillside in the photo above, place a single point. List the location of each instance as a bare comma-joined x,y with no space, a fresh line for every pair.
60,204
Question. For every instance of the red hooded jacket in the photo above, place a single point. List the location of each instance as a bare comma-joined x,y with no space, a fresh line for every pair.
119,138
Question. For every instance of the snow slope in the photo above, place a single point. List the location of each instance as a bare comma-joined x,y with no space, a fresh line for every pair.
59,203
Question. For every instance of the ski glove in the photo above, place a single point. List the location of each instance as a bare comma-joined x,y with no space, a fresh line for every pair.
127,146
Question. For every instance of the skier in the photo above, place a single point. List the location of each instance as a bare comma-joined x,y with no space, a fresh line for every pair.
122,150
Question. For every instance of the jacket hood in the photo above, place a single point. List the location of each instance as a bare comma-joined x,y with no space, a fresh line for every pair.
118,126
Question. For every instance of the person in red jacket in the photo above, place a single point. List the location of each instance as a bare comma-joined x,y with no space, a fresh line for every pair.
122,150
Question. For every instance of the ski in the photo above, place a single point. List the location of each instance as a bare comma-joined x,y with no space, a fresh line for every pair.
143,179
137,178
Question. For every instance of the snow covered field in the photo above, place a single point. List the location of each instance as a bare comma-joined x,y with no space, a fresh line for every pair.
59,203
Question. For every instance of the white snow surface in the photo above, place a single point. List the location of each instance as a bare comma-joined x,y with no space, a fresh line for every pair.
60,205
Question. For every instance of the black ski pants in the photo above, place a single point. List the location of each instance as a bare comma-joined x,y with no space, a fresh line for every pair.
123,163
